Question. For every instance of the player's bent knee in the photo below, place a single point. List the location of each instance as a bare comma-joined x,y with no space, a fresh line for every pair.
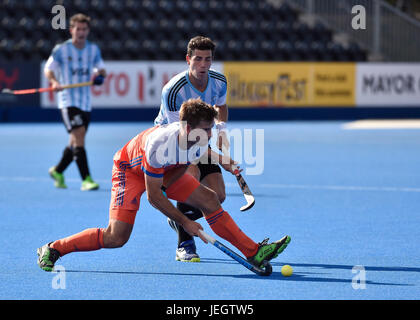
116,234
115,241
194,171
222,196
208,200
120,242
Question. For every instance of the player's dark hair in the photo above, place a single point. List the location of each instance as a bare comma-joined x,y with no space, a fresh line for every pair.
81,18
193,111
200,43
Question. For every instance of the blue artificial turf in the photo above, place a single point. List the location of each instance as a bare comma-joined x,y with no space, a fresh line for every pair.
347,198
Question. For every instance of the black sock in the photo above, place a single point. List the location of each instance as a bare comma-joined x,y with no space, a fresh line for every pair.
189,211
81,160
193,214
65,160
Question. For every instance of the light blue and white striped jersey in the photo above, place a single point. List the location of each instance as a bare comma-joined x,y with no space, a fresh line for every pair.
179,89
73,65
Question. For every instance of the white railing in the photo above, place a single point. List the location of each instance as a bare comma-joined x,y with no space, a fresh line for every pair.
390,35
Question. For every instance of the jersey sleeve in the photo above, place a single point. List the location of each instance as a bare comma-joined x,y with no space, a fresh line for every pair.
152,163
54,60
173,116
151,171
51,65
98,62
221,98
168,112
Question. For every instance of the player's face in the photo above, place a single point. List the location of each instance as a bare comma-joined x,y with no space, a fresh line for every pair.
202,133
200,63
79,32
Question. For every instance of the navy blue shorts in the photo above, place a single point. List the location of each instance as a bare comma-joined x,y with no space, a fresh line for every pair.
206,169
74,118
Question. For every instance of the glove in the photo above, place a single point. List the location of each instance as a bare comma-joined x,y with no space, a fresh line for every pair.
98,80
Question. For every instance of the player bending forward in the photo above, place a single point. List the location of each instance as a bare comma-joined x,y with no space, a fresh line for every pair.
155,161
198,81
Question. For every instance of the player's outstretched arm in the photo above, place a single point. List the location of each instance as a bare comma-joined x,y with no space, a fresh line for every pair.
226,162
222,113
222,118
49,74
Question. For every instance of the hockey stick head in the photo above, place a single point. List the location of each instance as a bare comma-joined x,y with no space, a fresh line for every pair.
7,91
249,197
250,202
265,269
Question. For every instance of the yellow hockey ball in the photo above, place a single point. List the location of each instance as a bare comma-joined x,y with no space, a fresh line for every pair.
286,270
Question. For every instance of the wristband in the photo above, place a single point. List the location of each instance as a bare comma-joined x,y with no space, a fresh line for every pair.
98,80
221,126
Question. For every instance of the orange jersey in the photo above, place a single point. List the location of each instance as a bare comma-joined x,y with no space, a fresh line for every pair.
155,151
152,152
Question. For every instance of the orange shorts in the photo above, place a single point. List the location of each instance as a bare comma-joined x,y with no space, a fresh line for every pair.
127,188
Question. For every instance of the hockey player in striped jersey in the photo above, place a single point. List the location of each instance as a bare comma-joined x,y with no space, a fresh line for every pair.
74,61
199,81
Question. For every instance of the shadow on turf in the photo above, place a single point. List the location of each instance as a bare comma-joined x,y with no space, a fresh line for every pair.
301,276
305,276
297,276
347,267
315,265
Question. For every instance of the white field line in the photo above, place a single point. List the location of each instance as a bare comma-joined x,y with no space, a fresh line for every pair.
329,187
42,179
382,124
257,186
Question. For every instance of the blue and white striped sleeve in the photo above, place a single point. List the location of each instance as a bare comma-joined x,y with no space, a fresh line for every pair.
54,60
168,109
98,62
221,99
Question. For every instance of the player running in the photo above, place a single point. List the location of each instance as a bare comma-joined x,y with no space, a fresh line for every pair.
74,61
199,81
155,161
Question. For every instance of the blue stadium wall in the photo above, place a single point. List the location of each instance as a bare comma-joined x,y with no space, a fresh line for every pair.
26,108
22,114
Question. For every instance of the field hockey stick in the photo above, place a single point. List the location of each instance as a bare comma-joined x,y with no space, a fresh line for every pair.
249,197
38,90
264,271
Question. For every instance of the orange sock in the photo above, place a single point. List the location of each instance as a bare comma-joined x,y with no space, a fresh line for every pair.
223,225
87,240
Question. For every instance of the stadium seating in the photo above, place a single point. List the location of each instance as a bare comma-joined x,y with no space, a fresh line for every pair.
159,29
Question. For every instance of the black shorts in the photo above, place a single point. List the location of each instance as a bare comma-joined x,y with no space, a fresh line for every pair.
74,118
208,168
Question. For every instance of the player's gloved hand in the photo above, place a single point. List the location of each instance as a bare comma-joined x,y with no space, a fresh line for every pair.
230,165
98,80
